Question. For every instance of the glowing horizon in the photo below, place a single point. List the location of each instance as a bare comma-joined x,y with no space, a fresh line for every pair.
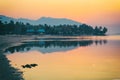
93,12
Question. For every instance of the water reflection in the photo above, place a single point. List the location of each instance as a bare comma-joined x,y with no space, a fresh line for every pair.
6,71
81,63
82,60
52,46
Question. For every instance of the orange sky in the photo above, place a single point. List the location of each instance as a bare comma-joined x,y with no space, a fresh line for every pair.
93,12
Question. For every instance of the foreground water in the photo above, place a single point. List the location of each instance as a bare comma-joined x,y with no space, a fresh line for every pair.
80,58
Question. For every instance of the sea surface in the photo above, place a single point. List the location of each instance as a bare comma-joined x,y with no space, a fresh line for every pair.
73,58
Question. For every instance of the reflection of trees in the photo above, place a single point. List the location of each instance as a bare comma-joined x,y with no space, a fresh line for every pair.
100,42
47,44
7,72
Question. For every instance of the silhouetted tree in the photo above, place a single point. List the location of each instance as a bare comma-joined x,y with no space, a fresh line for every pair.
104,30
72,30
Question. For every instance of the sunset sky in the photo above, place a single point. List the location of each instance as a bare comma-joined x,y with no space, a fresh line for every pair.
93,12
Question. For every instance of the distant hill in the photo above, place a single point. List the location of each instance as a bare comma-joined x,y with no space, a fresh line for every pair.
5,18
42,20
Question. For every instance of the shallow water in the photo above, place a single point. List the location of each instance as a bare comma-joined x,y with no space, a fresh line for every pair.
86,58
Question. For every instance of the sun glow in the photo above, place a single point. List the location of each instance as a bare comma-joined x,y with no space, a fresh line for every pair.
92,12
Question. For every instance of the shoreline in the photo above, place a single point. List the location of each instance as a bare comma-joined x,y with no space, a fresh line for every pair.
12,40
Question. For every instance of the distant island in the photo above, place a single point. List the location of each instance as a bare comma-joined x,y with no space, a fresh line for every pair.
12,26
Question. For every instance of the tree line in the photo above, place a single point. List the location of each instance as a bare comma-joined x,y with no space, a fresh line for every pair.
73,30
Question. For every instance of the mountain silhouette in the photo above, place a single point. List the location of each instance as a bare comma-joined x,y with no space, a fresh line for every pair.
43,20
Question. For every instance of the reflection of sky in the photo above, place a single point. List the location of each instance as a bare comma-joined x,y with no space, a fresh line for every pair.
82,63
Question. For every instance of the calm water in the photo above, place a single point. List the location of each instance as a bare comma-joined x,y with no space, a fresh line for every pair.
80,58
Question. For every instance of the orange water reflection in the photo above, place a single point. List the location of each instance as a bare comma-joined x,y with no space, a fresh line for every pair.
82,63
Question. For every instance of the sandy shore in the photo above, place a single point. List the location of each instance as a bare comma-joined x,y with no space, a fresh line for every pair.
11,40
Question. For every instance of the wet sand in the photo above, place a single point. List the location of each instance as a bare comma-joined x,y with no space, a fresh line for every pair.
11,40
